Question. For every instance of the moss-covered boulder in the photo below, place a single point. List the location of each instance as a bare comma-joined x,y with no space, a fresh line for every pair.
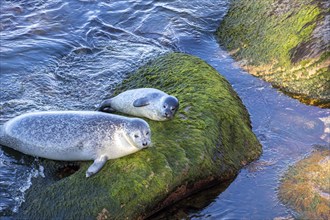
207,142
306,186
283,42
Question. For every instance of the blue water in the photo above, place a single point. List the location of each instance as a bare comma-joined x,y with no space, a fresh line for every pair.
70,55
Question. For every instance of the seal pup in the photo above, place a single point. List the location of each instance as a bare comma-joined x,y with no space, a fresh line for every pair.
76,136
144,102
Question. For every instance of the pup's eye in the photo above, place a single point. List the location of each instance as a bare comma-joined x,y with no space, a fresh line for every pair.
136,136
172,109
164,106
147,133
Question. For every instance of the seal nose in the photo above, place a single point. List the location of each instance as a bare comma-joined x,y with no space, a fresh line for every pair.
145,144
168,115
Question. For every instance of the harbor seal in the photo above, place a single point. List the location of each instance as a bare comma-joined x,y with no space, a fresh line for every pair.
76,136
144,102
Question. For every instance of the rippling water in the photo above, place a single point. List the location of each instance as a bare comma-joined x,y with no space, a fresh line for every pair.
63,55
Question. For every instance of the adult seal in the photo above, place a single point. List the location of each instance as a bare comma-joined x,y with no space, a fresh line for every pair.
76,136
144,102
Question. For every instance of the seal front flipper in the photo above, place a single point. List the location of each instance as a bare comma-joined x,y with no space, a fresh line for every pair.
106,106
97,165
140,102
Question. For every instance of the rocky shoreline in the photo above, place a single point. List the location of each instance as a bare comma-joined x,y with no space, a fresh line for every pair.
209,141
285,42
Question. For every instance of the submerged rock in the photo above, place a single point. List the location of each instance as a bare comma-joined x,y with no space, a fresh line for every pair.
284,42
207,142
306,186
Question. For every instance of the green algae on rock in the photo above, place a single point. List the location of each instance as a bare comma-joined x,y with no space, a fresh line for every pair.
306,186
207,142
284,42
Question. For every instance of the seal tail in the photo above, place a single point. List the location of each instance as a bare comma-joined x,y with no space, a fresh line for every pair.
2,131
2,134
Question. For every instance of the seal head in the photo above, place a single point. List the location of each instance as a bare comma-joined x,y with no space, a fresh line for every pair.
170,106
138,133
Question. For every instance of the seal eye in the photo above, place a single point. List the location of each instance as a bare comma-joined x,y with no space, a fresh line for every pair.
147,133
172,109
164,106
136,136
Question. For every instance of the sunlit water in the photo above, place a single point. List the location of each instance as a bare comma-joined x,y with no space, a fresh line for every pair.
70,55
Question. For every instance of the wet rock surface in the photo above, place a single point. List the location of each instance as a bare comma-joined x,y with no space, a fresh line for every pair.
284,42
306,185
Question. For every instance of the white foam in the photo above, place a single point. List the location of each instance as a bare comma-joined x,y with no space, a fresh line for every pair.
33,173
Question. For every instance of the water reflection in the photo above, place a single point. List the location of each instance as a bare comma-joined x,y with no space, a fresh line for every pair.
184,208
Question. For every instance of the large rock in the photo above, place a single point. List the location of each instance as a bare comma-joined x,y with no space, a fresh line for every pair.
207,142
285,42
306,186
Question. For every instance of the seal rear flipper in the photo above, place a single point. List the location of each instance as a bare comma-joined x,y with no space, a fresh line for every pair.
96,166
2,134
2,131
105,106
